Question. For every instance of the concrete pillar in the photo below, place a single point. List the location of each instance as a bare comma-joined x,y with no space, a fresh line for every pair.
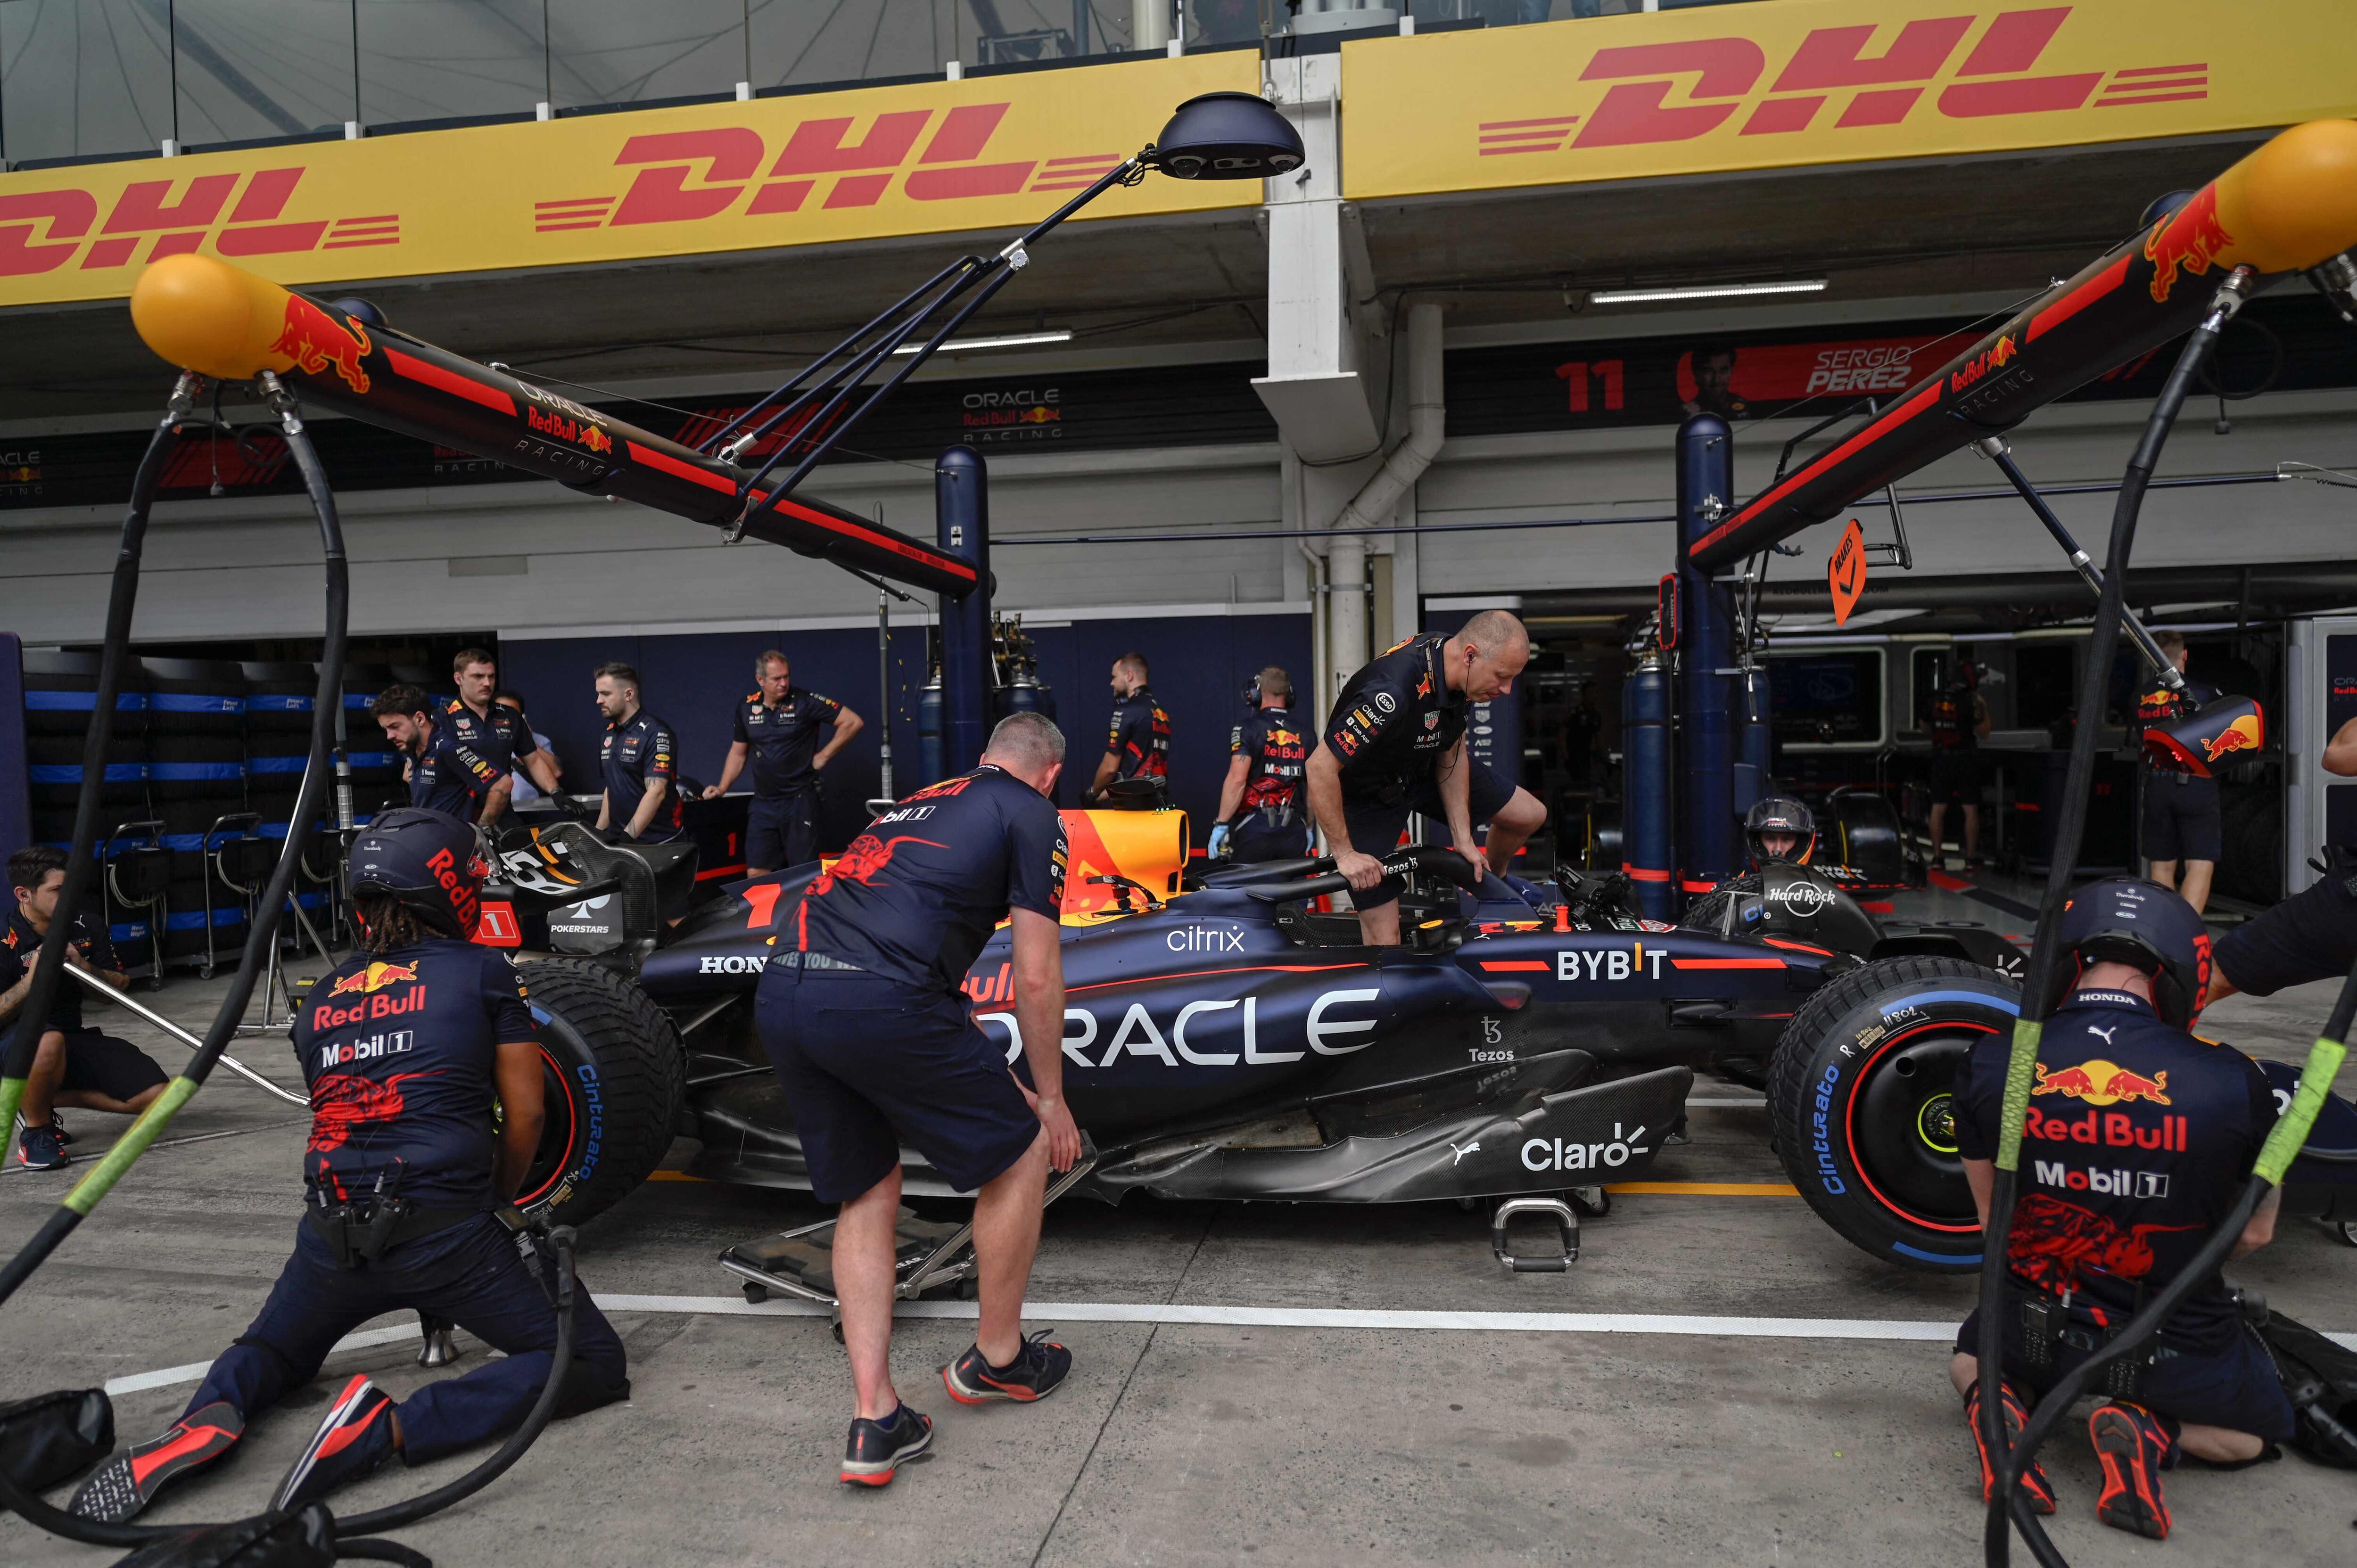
1346,611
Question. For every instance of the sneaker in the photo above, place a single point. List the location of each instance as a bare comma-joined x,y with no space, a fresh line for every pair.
875,1448
2134,1449
1037,1368
38,1149
354,1438
2016,1416
57,1126
121,1488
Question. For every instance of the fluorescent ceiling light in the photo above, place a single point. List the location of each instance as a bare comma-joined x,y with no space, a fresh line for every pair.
1704,291
1011,341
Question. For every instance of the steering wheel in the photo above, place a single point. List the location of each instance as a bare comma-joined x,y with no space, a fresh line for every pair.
1321,878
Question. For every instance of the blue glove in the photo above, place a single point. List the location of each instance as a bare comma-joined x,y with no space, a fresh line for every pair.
1219,845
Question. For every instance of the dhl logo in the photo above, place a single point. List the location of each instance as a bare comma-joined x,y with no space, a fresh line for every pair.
1995,357
2100,1082
683,176
375,977
148,215
2243,735
1994,78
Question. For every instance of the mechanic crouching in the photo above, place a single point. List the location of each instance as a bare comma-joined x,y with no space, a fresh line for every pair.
1262,813
404,1046
2137,1142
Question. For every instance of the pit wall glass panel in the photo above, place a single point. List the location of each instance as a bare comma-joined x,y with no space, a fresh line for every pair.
603,52
250,70
84,78
450,59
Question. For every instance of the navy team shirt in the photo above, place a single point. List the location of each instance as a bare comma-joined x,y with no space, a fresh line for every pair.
1278,750
2137,1144
632,753
1391,720
499,738
781,740
19,942
917,895
399,1050
452,777
1140,741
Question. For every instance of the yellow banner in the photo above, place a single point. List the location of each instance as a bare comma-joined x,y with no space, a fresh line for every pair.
995,152
1818,82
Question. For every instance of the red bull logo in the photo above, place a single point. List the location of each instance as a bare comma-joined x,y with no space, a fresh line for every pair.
375,977
2243,735
315,340
2103,1083
2191,238
1995,357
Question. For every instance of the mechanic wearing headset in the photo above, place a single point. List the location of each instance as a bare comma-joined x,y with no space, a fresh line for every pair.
2137,1142
640,761
1395,744
861,1010
1266,753
404,1046
446,775
778,725
2312,935
1139,745
492,730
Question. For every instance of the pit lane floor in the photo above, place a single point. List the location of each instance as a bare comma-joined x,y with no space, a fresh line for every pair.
1188,1441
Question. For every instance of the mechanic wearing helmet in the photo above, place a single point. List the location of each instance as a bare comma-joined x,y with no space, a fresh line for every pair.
1779,827
492,730
444,774
1139,745
640,761
2181,821
72,1065
1957,721
1395,744
861,1010
2137,1142
778,727
1262,814
408,1176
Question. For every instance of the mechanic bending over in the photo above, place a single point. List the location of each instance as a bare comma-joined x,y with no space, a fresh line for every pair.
2312,935
444,774
1262,813
407,1182
778,725
1957,722
492,730
1139,745
864,1018
525,791
2182,817
73,1065
640,762
1395,744
2137,1142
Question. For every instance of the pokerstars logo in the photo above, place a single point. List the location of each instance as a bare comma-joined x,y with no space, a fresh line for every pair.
2118,1182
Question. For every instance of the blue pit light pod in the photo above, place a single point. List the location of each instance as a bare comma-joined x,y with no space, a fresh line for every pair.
1227,136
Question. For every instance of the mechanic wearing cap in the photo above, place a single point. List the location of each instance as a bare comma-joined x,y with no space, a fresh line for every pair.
2181,823
492,730
1395,744
778,725
1262,813
1957,721
73,1065
444,774
1139,745
862,1009
409,1180
640,762
2137,1142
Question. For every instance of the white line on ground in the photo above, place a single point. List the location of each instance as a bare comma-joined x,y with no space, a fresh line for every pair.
194,1371
1727,1104
82,1154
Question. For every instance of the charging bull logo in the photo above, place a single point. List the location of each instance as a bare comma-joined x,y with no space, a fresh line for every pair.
2191,238
341,1102
2100,1083
375,977
2055,1241
2243,735
868,855
315,340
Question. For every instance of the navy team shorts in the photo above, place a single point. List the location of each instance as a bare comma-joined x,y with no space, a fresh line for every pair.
2234,1387
1375,829
2312,935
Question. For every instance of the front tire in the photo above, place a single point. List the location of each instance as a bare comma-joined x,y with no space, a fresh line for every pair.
614,1076
1861,1096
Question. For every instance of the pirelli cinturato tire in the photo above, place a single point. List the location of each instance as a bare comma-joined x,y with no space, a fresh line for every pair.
1860,1096
615,1075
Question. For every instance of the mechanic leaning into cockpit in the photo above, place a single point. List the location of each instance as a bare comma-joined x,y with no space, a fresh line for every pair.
2137,1142
1394,744
1262,813
406,1046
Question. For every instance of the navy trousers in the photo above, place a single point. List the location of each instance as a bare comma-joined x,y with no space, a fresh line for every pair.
470,1274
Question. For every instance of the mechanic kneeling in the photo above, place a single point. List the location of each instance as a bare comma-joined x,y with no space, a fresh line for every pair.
2138,1143
404,1046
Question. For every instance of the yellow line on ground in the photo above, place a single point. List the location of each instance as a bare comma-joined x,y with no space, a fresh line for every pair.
1709,1188
671,1176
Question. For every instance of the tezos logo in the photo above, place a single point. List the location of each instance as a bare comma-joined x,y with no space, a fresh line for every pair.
1554,1154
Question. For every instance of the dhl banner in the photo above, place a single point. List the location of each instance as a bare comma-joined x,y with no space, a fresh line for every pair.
1817,82
930,157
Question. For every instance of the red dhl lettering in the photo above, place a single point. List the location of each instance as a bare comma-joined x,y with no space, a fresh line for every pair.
178,218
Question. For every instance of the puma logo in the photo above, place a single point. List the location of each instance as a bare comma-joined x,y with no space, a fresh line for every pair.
2099,1029
1468,1149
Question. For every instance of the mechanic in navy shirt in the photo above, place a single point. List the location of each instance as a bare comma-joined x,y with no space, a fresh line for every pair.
406,1047
492,730
777,727
1139,744
444,774
2312,935
1262,813
1394,744
2182,824
2137,1144
862,1011
639,763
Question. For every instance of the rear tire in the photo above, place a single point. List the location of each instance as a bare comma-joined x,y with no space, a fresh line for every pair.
614,1076
1860,1099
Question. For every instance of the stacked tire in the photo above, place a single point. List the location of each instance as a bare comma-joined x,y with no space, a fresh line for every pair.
196,772
60,698
279,702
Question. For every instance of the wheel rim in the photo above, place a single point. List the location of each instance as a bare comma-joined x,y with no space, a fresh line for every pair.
553,1158
1902,1126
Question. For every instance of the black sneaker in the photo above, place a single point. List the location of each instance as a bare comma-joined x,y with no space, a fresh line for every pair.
875,1448
38,1149
121,1488
1038,1367
2134,1448
354,1437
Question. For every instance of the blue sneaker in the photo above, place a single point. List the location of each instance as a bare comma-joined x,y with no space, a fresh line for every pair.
39,1149
1034,1374
354,1438
875,1448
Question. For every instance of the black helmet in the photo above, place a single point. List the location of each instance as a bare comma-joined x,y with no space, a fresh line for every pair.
427,860
2123,920
1779,814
